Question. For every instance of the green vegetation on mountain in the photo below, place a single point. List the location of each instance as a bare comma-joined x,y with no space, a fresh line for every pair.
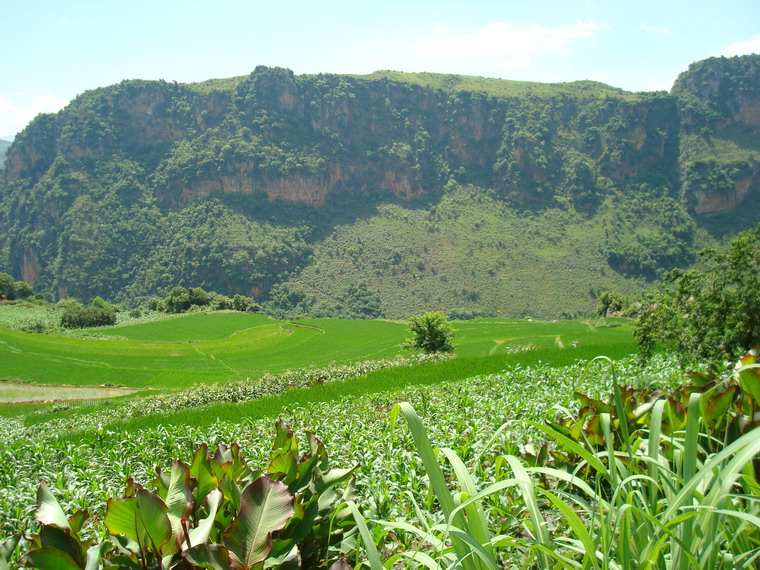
382,195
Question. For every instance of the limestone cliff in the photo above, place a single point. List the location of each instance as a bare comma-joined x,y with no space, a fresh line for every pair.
719,102
117,181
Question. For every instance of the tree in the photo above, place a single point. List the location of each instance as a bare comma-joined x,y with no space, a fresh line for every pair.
76,316
245,304
11,289
178,300
23,289
711,312
7,288
431,332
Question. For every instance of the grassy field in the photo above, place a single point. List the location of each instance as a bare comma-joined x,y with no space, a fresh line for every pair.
211,348
350,416
507,373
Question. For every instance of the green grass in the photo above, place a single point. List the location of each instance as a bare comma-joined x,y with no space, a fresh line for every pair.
521,264
213,348
84,471
496,87
198,326
17,314
483,337
13,392
455,83
382,381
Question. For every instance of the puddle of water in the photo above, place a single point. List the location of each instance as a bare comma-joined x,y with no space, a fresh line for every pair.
17,392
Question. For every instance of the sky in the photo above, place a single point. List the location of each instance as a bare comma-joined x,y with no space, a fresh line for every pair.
53,50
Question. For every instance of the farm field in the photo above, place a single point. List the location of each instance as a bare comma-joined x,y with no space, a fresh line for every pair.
463,412
484,407
211,348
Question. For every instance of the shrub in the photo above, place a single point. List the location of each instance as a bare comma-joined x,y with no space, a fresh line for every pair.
431,332
79,317
219,302
709,312
244,304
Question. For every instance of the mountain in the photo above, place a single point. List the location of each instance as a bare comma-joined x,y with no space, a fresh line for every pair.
3,150
383,195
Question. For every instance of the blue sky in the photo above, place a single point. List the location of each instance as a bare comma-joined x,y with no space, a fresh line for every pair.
53,49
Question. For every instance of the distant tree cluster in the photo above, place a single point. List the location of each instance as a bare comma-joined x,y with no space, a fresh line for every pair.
182,299
99,313
10,289
615,304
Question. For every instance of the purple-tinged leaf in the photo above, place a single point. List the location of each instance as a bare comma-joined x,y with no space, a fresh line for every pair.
265,507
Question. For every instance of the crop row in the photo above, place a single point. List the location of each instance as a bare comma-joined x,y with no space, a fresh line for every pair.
356,432
203,394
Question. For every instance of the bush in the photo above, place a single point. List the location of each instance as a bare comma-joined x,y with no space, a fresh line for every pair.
12,290
79,317
244,304
220,302
215,509
431,332
711,312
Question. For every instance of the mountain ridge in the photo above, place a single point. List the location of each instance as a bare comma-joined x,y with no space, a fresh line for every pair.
239,184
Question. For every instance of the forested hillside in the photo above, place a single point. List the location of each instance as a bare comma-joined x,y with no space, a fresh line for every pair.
382,195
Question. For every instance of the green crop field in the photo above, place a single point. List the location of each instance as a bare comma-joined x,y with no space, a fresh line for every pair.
198,326
486,406
211,348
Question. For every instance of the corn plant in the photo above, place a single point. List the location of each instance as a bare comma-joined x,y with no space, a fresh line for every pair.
634,489
215,513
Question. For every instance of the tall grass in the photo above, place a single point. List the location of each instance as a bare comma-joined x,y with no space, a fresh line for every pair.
654,501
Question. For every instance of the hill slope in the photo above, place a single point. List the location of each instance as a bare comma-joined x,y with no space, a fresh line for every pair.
384,194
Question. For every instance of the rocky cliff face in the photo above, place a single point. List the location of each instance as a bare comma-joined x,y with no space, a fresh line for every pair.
719,101
272,141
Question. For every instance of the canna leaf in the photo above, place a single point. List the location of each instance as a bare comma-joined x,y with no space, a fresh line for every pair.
283,467
201,471
265,507
698,379
202,531
179,503
284,439
48,509
94,553
713,406
749,380
54,537
7,548
141,518
77,520
49,558
212,556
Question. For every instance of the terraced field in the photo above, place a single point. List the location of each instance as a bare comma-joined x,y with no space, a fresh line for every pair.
210,348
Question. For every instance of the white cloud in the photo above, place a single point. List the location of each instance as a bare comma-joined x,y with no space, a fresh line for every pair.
439,29
15,116
751,45
510,46
655,31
